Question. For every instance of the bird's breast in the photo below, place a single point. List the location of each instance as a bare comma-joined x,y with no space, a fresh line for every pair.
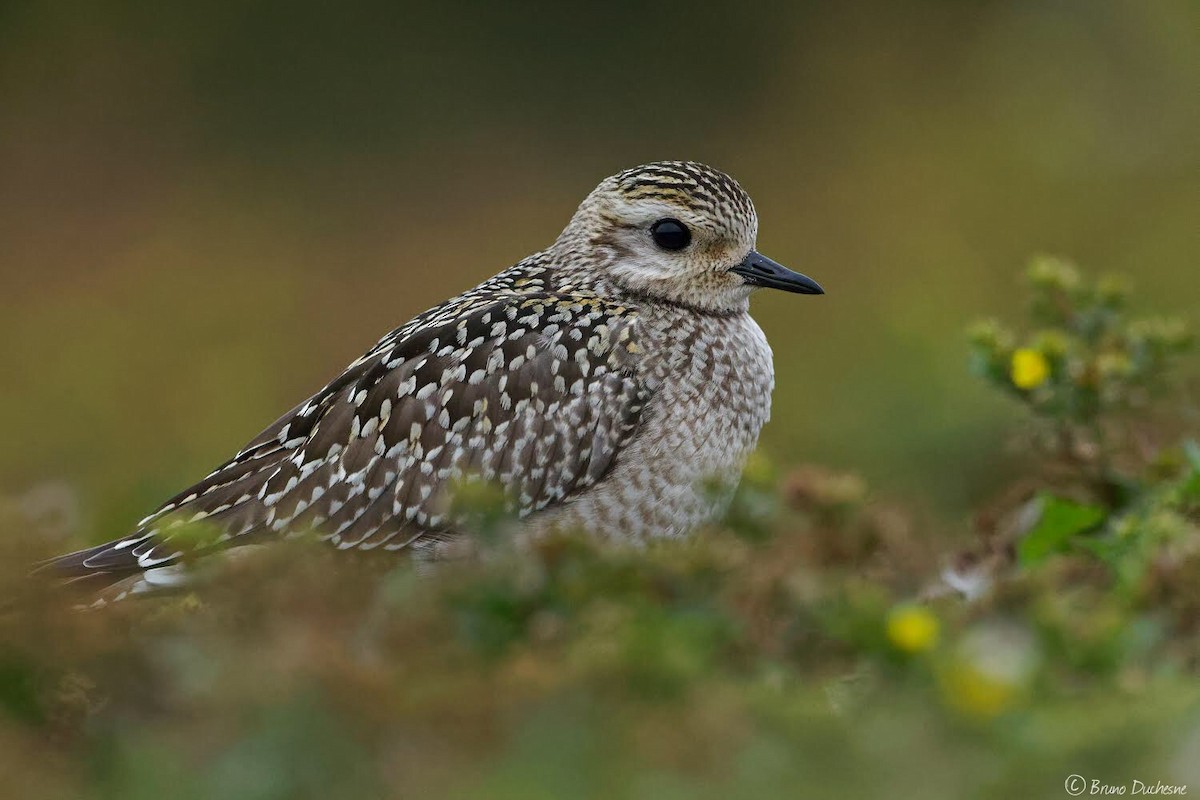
711,380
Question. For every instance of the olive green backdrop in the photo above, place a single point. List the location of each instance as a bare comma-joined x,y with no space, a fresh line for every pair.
206,211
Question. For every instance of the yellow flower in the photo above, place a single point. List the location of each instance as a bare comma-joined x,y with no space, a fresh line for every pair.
1029,368
990,671
912,629
976,692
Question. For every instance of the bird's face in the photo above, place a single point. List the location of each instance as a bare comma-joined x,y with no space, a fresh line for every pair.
681,232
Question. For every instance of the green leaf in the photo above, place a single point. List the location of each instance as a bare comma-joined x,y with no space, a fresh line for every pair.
1191,449
1059,521
1191,482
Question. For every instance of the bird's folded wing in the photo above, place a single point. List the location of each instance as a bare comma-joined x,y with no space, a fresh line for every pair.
536,393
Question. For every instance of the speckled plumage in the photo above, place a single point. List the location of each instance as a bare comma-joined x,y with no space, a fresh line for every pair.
603,383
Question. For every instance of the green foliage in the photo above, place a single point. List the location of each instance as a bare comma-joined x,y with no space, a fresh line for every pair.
1059,522
1084,356
1097,381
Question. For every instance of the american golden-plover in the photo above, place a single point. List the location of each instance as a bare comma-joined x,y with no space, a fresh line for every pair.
603,384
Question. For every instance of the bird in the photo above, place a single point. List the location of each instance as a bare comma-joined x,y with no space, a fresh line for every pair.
603,384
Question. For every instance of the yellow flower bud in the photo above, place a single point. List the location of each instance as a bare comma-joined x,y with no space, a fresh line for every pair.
1053,273
1114,365
1051,343
1029,368
913,629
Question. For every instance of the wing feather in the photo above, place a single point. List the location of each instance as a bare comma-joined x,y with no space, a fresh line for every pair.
538,392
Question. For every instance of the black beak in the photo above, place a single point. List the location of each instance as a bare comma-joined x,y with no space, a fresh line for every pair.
758,270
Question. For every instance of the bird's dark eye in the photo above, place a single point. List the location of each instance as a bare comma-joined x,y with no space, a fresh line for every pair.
671,234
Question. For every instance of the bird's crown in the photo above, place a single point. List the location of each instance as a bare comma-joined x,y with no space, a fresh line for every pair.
696,187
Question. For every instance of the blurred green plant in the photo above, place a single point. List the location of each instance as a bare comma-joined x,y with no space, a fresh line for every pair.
1094,378
1083,366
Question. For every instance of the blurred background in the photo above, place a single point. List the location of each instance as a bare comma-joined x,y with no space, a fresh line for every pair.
207,210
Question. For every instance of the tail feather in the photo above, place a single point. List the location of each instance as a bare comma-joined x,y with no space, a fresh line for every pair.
120,556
